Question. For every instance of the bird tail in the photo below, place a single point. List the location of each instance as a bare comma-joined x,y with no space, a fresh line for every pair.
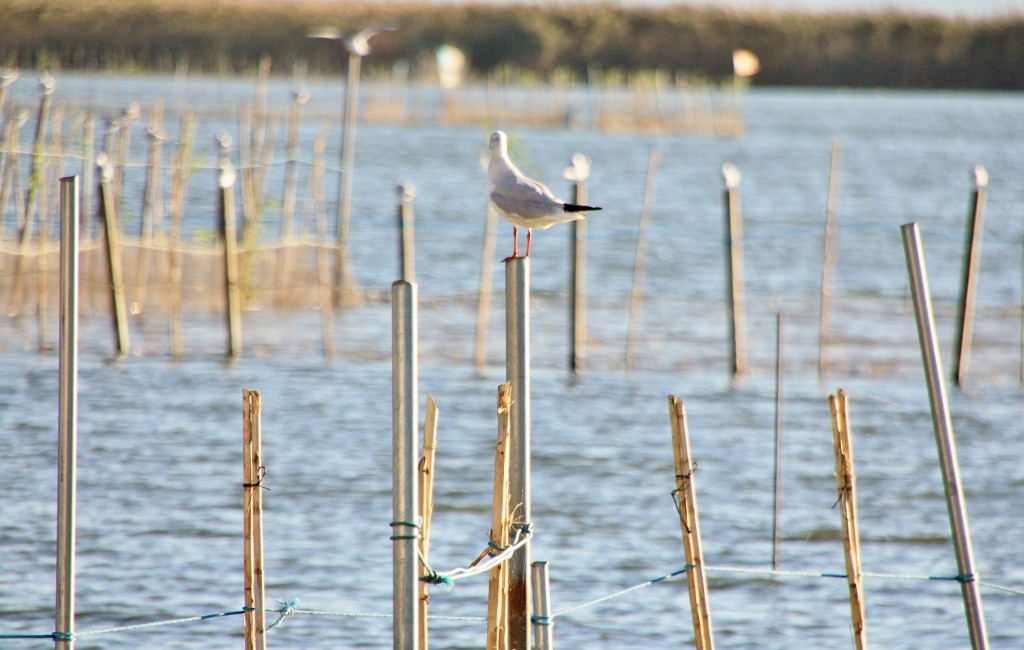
572,207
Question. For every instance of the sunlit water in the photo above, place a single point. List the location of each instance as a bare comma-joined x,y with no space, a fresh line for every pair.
159,533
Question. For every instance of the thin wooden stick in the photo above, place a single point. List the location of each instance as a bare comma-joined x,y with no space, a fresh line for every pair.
483,301
426,509
686,502
323,262
639,258
828,257
254,620
497,585
179,184
846,483
734,270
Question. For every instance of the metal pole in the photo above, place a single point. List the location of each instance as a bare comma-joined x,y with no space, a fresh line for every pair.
404,408
343,269
407,237
578,172
517,367
543,625
734,268
943,425
969,278
67,450
777,515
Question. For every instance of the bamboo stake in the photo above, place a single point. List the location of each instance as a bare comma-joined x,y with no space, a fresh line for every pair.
179,185
846,483
734,269
426,510
88,168
639,258
229,235
115,274
497,581
828,256
686,503
969,277
254,619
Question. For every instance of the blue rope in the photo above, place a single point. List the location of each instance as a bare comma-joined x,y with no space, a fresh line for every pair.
286,610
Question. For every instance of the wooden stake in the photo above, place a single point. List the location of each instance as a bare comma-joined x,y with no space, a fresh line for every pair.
254,621
497,585
426,509
686,502
846,483
969,278
229,235
734,270
112,231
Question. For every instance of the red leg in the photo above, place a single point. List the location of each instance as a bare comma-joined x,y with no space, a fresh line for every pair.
529,234
515,244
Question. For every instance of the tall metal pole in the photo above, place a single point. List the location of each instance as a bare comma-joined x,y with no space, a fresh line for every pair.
343,269
517,368
943,425
406,236
405,535
969,277
543,631
67,449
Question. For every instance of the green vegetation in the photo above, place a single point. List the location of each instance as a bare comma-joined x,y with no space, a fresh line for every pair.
554,43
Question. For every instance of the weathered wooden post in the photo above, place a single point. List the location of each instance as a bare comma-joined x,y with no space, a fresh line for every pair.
112,239
229,234
578,173
67,446
969,277
425,509
497,580
734,270
179,184
943,425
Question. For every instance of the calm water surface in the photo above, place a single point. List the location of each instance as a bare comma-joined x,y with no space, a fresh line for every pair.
159,506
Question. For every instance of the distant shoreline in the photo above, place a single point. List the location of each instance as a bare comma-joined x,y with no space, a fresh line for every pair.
527,43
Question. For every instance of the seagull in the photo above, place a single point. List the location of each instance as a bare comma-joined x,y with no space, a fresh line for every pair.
522,201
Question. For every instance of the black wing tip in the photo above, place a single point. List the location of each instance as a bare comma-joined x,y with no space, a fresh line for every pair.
572,207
